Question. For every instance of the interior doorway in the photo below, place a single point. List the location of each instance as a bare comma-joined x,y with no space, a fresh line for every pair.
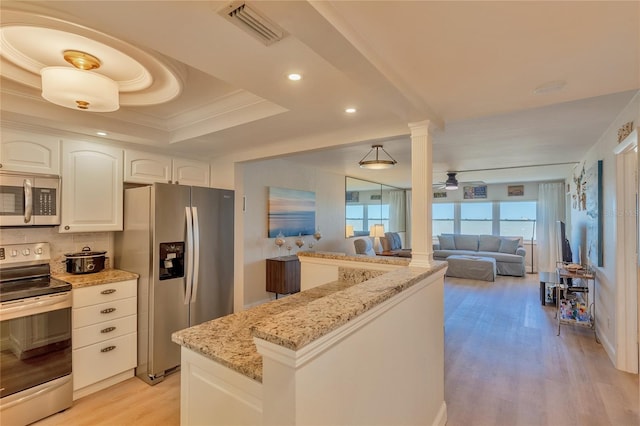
628,297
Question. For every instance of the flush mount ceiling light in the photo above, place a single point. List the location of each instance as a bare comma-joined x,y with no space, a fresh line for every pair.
377,163
79,87
350,110
294,77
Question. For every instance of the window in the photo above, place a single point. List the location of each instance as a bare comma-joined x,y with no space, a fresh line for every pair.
364,216
509,218
518,218
377,213
355,216
443,217
476,218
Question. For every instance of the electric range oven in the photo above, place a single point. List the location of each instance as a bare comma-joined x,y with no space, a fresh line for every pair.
35,328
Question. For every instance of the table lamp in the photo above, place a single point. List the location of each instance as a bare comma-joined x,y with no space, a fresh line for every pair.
349,232
377,231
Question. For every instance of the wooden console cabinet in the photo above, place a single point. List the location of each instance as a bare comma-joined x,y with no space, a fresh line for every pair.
283,275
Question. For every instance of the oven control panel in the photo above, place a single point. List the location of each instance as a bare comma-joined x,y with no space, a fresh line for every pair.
33,253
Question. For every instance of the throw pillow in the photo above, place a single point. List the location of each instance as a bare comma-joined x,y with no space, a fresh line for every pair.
508,246
466,242
446,242
488,243
397,241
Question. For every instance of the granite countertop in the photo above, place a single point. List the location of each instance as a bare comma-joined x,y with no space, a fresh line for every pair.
293,321
105,276
385,260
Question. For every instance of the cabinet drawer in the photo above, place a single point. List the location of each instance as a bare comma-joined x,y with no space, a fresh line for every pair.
95,314
106,330
103,360
103,293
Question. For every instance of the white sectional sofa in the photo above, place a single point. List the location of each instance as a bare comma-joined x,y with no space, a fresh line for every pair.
508,252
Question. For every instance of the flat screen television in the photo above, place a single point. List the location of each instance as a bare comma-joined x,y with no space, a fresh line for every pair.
564,248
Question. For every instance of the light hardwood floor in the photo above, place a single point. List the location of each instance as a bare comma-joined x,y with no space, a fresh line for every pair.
504,365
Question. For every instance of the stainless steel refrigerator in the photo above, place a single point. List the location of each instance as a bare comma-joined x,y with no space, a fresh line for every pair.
179,239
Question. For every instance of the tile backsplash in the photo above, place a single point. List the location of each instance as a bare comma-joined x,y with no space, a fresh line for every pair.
60,243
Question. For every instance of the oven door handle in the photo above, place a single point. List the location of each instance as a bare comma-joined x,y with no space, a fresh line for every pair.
28,200
11,310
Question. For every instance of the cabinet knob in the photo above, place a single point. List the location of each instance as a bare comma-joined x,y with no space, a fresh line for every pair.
67,227
108,310
108,348
107,330
108,291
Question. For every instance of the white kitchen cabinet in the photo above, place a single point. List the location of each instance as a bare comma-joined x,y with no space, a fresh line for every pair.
92,187
29,152
190,172
146,167
104,336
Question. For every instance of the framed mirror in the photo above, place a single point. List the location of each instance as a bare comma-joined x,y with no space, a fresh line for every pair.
371,203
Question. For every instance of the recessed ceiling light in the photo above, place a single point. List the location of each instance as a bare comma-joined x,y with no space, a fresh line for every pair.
295,77
350,110
101,133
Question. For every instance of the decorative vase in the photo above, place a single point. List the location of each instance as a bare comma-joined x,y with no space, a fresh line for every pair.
279,241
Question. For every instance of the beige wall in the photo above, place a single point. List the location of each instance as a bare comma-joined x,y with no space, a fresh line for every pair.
252,183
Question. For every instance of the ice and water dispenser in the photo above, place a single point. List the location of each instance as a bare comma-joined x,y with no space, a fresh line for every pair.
171,260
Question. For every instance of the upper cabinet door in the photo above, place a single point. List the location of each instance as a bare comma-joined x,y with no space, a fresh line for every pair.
29,152
92,193
144,167
190,172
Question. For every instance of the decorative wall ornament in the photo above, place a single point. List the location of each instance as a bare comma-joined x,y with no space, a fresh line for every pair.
625,131
515,190
579,199
291,212
474,192
593,191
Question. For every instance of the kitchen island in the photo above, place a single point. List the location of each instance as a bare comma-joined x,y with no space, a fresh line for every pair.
346,352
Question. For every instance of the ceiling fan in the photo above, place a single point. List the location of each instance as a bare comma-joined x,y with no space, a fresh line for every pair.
452,183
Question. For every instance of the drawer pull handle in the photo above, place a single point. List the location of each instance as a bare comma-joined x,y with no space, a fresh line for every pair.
108,310
108,291
107,330
108,349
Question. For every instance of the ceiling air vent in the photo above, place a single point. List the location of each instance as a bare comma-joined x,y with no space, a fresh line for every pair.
253,22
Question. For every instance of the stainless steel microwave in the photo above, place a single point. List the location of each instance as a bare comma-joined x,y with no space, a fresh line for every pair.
27,200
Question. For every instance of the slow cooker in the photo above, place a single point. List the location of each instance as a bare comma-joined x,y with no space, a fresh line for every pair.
85,261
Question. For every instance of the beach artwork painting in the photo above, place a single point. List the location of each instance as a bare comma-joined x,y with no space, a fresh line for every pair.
291,212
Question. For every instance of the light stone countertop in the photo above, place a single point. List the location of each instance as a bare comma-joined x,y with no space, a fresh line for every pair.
384,260
105,276
293,321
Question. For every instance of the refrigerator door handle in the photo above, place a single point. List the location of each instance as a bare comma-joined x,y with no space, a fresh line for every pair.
189,255
196,253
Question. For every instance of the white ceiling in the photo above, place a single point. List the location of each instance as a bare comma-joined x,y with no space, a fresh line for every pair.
469,67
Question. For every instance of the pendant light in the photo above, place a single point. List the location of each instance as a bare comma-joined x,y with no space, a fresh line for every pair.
79,87
377,163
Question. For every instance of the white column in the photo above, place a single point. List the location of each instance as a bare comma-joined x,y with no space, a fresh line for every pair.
422,194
